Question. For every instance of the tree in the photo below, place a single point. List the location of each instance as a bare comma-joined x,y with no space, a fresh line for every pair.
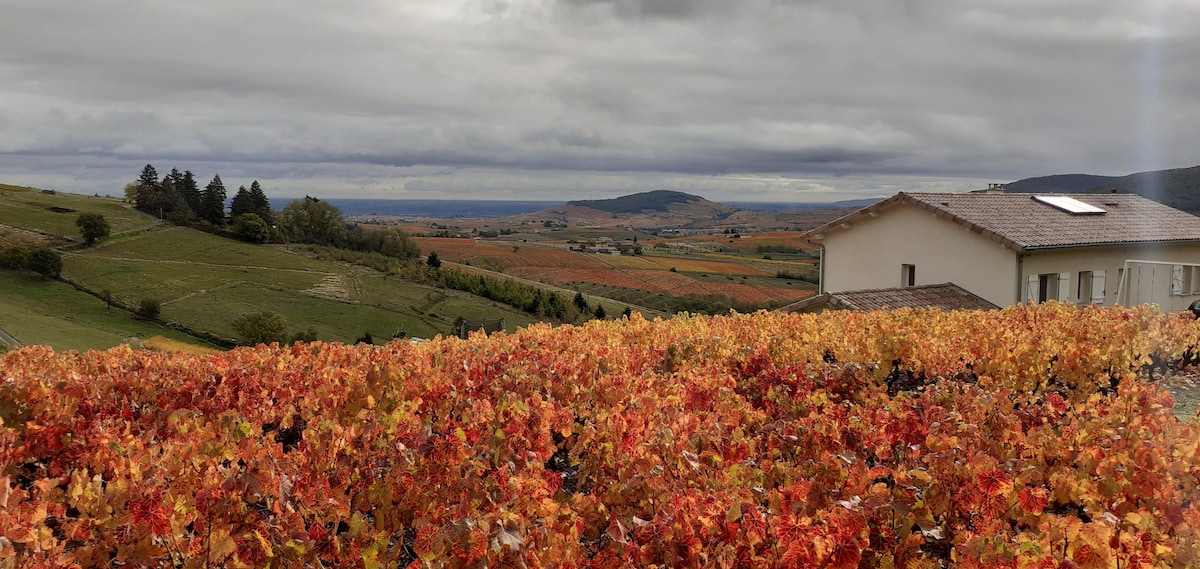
93,227
241,203
261,327
212,202
189,190
433,261
365,339
581,303
627,313
46,262
148,309
600,312
251,227
107,296
311,220
259,202
149,191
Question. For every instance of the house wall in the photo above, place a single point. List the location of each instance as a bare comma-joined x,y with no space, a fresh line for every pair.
870,255
1147,283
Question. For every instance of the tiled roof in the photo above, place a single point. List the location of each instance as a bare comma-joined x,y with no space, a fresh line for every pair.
947,296
1022,223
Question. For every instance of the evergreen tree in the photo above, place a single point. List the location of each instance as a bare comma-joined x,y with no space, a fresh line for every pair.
212,202
148,178
190,190
262,206
433,261
581,302
148,197
600,312
242,203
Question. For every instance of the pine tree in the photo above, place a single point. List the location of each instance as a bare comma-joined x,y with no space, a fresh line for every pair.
241,203
262,206
148,196
190,191
212,202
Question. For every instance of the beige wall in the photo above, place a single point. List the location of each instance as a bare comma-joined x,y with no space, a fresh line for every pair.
1148,283
871,252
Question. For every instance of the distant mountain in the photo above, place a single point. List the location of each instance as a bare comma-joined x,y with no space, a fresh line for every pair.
1177,187
657,201
1058,184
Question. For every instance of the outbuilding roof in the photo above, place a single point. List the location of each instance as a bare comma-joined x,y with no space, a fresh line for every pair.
1029,221
946,296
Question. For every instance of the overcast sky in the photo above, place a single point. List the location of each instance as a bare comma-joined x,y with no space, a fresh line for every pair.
776,100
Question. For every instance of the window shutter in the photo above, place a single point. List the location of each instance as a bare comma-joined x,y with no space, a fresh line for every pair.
1031,288
1098,283
1177,280
1064,287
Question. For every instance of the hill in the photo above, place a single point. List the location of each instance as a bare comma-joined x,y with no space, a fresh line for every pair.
1176,187
202,281
657,201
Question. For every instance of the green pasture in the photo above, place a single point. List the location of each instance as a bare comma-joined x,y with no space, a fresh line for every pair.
30,209
166,281
46,312
181,244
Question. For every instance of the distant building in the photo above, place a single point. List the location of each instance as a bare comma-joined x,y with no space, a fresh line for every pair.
1009,248
945,296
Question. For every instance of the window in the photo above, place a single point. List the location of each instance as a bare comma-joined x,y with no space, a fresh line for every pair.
1180,280
1083,288
908,275
1048,286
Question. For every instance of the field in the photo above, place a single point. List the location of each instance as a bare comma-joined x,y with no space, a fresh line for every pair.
628,277
30,209
205,281
50,313
1031,437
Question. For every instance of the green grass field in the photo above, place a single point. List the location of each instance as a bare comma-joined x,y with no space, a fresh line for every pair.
205,281
29,209
39,312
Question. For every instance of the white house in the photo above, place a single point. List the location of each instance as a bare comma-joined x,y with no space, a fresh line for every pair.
1008,248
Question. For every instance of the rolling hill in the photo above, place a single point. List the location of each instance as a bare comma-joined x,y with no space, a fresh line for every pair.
658,201
1176,187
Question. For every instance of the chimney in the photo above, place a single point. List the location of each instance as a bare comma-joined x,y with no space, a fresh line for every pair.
995,189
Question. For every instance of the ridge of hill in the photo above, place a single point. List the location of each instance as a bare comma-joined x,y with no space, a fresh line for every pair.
661,201
1175,187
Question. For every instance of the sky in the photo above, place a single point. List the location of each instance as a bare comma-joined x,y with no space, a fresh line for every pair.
747,100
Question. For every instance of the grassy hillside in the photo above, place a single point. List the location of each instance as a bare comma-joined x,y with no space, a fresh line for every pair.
205,281
54,213
41,312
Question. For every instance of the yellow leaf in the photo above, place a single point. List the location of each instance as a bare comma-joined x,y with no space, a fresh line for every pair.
220,544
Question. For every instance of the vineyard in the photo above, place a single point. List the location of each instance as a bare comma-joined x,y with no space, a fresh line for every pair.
1032,437
670,275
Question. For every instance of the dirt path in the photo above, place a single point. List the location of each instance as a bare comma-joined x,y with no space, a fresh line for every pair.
9,339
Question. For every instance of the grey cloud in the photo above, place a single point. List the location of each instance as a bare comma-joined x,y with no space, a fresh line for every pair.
594,92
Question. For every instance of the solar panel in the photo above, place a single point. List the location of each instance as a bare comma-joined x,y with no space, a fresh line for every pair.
1070,205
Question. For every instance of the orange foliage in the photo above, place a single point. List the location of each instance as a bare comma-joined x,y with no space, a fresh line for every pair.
910,439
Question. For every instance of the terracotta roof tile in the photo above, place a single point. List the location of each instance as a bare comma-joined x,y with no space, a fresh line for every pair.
1021,222
947,296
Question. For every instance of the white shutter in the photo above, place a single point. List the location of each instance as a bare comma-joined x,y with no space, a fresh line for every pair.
1031,288
1176,280
1098,283
1064,287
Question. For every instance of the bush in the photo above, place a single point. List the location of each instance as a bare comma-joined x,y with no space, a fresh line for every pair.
148,309
46,262
261,327
93,226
